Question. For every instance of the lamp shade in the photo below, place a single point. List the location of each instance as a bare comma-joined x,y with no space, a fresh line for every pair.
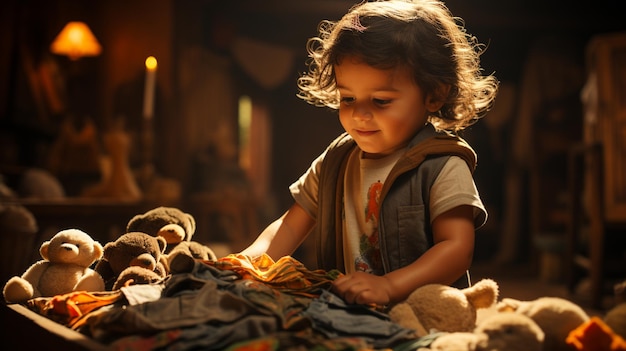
75,41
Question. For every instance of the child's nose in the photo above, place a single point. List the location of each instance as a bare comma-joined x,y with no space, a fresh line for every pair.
361,112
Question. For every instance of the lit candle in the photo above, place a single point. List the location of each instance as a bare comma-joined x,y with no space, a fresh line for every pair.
148,97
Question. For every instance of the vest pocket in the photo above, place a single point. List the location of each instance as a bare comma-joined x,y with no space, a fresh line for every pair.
411,237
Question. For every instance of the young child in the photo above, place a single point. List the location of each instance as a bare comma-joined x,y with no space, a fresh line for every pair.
392,201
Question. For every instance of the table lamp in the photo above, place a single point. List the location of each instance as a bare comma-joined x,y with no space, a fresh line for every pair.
75,41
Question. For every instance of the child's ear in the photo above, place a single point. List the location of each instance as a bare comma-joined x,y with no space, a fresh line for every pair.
435,100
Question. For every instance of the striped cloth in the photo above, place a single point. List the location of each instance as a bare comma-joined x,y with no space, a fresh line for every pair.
287,275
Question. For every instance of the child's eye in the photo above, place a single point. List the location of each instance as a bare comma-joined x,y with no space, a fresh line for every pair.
347,100
381,101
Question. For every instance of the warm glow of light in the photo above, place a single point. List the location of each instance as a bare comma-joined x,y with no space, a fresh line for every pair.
75,41
151,63
245,122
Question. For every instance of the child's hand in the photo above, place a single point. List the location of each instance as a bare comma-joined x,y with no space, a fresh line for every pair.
363,288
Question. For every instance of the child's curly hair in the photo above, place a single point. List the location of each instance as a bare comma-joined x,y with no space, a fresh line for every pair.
422,34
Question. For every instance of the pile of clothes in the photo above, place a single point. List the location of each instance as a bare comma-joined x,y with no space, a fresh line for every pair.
233,303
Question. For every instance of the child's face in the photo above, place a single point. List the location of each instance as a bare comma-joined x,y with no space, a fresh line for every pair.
381,109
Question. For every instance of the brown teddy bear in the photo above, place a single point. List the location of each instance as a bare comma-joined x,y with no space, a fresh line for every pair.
134,258
65,267
442,308
192,249
176,227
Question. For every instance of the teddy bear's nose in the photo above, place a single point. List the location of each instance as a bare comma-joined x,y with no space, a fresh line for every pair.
145,261
68,247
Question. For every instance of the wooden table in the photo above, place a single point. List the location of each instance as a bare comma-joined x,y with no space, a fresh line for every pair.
24,329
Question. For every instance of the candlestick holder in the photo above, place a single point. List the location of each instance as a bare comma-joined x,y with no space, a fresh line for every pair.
146,170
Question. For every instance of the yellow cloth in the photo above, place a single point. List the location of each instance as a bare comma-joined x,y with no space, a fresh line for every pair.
287,274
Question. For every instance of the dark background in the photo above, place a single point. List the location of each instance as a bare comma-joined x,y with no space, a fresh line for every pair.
131,30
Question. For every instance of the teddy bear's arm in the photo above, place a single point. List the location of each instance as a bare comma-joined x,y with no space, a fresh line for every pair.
90,281
34,273
22,288
103,267
17,290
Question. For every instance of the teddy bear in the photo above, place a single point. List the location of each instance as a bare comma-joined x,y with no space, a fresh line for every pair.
134,258
65,267
442,308
511,332
505,331
615,318
556,316
176,226
192,249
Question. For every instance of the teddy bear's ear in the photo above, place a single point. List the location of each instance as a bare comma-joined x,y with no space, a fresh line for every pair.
43,250
162,243
192,224
483,294
98,250
107,249
130,227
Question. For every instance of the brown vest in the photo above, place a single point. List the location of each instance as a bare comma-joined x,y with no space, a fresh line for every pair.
406,187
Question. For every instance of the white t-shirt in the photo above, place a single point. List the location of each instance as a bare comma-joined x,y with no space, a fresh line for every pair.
363,184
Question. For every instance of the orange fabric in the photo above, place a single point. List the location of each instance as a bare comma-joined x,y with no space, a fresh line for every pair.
68,309
595,335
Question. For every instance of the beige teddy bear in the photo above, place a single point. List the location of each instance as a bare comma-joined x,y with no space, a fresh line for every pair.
505,331
65,267
615,318
556,316
442,308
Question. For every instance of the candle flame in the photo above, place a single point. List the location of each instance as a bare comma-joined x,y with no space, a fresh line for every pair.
151,63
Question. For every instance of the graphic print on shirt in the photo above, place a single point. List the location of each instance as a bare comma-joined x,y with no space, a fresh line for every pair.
370,261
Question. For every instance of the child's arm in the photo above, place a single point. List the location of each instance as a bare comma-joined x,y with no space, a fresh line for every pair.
283,236
443,263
